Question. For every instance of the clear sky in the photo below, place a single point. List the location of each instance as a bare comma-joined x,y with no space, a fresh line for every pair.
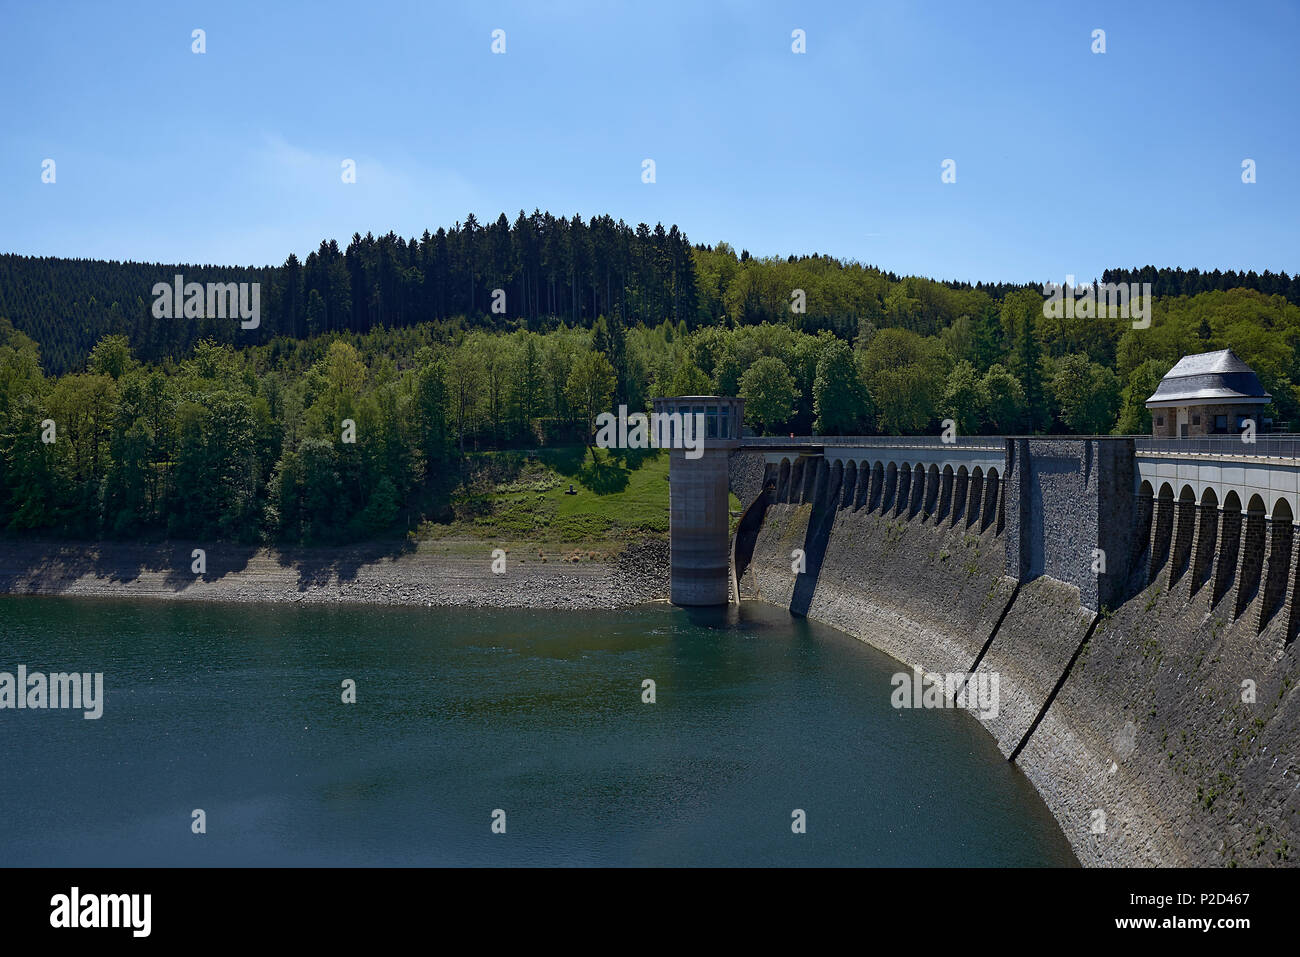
1067,161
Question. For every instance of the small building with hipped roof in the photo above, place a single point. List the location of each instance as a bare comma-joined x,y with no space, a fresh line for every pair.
1210,393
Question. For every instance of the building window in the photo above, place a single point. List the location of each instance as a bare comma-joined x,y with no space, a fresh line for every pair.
1160,420
1196,420
1221,423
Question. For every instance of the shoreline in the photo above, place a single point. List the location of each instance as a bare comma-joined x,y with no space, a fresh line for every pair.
390,574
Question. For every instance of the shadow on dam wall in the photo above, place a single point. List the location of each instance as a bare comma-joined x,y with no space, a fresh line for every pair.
1160,727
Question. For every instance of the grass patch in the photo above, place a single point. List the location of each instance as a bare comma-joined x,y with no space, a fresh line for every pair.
517,497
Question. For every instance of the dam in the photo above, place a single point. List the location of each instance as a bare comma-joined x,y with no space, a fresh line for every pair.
1135,597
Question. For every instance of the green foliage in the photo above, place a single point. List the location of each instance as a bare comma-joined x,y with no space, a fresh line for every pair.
905,374
1086,394
840,398
964,399
198,428
591,389
1004,398
1134,417
769,393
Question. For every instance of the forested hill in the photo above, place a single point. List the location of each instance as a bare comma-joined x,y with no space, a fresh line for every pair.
550,270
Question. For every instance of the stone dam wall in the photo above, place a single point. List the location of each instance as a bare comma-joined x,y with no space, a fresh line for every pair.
1125,695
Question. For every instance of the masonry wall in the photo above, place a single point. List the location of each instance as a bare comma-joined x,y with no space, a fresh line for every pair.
1072,514
1126,716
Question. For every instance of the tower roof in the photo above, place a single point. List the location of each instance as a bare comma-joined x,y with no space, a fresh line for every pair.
1218,378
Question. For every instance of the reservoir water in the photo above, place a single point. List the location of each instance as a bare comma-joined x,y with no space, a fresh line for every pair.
236,710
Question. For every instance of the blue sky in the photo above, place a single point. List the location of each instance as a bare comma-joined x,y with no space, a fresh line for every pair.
1067,161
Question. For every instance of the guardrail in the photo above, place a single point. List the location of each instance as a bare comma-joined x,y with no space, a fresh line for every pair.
983,442
1265,446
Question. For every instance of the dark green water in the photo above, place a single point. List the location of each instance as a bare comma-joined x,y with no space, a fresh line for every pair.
236,709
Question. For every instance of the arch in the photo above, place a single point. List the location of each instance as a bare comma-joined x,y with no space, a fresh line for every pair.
783,482
904,488
864,485
1252,554
1278,566
975,495
931,489
1142,540
1207,532
832,491
796,481
1162,532
1279,501
877,485
1229,534
850,484
959,491
1184,528
945,493
917,498
891,488
991,511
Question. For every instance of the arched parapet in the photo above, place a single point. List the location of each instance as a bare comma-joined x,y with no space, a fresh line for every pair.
1227,467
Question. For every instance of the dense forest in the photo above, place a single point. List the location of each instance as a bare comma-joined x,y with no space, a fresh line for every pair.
550,271
380,374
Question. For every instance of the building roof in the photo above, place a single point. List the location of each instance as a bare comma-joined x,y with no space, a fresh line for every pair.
1209,378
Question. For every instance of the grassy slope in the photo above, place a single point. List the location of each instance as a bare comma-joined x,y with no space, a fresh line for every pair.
521,503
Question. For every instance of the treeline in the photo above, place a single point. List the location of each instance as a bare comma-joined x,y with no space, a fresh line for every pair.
352,434
548,271
1192,282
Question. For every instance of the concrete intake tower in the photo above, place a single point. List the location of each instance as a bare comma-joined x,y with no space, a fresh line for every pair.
699,532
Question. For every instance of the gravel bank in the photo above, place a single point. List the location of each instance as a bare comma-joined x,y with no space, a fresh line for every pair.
382,574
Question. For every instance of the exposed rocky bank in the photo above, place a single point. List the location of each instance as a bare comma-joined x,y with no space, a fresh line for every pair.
366,574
